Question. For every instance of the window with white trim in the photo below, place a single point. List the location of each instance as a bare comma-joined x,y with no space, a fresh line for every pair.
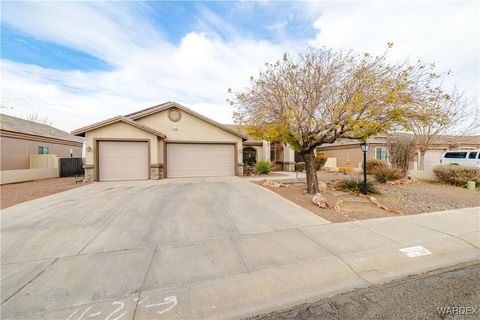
381,153
42,150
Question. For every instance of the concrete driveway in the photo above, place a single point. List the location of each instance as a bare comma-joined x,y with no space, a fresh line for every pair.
119,240
204,248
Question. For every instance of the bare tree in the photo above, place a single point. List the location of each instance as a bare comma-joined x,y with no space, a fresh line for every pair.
441,115
324,95
401,149
35,117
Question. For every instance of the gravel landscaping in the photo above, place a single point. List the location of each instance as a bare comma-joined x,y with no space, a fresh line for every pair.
15,193
400,199
427,197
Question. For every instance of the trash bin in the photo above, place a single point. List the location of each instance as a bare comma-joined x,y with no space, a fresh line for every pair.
471,185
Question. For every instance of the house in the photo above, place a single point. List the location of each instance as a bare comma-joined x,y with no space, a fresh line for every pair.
164,141
279,153
21,138
349,154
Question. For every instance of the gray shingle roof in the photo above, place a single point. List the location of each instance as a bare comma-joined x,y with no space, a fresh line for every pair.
14,124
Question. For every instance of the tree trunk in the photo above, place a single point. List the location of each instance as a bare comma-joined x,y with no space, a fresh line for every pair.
311,172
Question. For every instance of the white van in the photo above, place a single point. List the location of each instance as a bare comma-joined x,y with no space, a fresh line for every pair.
469,158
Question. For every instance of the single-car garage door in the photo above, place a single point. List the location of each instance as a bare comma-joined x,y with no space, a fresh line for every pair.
432,159
200,160
122,160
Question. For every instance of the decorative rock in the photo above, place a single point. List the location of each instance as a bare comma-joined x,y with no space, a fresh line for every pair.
270,183
322,186
338,205
319,200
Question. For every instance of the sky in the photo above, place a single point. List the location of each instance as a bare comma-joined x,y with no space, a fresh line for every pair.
82,62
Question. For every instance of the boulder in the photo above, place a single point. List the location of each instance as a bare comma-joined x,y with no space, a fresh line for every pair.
338,205
322,186
270,183
320,200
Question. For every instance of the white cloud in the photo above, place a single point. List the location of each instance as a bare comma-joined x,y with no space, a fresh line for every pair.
197,72
147,69
446,33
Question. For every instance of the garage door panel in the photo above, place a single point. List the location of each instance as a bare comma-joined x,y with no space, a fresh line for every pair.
432,159
123,160
200,160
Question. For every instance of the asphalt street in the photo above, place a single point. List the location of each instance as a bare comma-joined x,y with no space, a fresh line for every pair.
432,295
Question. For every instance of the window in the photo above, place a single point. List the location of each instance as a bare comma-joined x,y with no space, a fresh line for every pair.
42,150
472,155
381,154
455,155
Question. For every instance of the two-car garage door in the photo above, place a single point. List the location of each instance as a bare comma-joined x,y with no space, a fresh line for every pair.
128,160
123,160
200,160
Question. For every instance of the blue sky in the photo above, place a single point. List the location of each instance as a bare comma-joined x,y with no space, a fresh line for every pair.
275,22
81,62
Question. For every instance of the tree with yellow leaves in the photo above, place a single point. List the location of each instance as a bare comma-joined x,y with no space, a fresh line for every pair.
324,95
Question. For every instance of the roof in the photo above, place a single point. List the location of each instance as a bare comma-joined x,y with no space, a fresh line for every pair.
242,130
14,124
440,140
167,105
81,131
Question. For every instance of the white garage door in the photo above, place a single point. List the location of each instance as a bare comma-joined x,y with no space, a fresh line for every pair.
432,158
122,160
200,160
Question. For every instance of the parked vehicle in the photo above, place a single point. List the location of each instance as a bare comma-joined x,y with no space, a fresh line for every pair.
468,158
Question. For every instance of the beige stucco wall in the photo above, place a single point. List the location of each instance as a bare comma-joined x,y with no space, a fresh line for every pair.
288,154
14,176
15,152
348,157
119,130
189,128
43,161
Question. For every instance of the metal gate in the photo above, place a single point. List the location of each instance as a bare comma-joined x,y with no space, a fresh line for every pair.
71,167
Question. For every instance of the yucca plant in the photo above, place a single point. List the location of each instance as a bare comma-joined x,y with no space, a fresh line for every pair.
356,186
387,174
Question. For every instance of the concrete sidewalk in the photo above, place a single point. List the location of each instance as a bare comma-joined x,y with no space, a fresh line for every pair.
361,254
334,258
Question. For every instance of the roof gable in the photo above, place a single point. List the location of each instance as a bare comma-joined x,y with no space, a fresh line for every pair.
81,131
165,106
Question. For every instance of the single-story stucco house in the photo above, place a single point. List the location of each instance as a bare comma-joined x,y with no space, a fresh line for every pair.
20,138
349,154
167,141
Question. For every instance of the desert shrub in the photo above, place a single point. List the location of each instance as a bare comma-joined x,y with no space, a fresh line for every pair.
346,170
457,175
356,186
300,166
401,150
387,174
263,167
320,160
374,164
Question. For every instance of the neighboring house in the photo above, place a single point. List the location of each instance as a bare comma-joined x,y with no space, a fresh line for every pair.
165,141
349,154
20,138
254,150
